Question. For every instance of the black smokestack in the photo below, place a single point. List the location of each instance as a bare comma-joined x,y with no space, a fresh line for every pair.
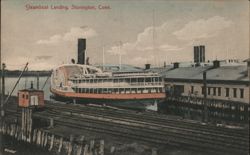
199,54
81,51
202,53
196,54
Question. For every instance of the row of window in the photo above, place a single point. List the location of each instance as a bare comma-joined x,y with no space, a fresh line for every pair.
119,91
216,91
128,80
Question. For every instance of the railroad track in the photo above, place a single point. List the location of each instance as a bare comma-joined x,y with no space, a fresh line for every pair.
154,119
220,140
162,126
148,127
141,133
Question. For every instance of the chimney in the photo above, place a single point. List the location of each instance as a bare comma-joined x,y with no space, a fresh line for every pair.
176,65
81,51
199,54
216,64
164,65
147,66
248,66
202,53
196,49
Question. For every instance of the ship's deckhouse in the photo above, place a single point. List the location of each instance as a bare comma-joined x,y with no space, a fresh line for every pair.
83,81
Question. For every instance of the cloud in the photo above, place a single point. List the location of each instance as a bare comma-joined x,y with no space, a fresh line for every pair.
152,45
121,48
77,32
71,35
140,60
203,28
145,42
170,47
165,42
43,57
52,40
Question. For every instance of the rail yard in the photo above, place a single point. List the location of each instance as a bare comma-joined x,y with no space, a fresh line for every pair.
119,129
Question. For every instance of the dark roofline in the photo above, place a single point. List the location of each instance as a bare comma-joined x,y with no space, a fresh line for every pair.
247,60
31,90
208,81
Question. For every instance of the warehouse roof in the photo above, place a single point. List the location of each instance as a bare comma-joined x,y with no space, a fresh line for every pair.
124,68
235,73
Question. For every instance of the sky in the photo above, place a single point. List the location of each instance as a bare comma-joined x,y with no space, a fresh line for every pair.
139,31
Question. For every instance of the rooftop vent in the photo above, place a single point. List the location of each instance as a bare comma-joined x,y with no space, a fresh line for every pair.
176,65
216,63
147,66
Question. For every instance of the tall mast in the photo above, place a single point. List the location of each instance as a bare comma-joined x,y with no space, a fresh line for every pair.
120,42
120,56
103,57
154,49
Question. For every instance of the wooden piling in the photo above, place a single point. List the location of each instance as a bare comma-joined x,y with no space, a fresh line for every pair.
42,138
51,142
38,140
4,128
60,145
8,130
70,144
79,149
45,140
34,135
19,136
86,150
80,146
92,144
30,124
112,149
11,129
22,126
101,151
154,151
0,127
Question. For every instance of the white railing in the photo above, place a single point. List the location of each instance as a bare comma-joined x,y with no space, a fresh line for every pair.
120,84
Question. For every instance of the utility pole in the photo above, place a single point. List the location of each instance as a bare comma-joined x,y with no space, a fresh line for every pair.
3,89
205,96
37,81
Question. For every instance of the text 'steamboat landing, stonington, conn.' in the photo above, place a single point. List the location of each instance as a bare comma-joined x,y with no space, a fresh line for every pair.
83,83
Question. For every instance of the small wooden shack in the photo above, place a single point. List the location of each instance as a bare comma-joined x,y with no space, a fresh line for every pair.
30,97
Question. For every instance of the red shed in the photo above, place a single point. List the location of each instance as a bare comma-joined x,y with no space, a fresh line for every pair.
30,97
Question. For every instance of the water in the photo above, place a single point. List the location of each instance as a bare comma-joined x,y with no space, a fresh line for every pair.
25,82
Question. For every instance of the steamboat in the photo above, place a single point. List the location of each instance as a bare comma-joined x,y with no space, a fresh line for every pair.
83,83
